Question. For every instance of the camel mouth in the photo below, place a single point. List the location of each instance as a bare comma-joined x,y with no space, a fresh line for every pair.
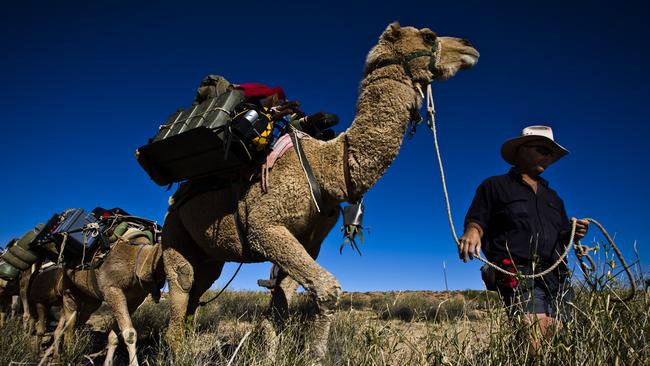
469,59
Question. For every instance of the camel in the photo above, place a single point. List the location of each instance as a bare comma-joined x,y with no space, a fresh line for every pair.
13,297
8,304
130,271
284,225
42,291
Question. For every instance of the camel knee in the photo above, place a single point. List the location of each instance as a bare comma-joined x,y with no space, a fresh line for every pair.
179,270
27,321
130,336
328,295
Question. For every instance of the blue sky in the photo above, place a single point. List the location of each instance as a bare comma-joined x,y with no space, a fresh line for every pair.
83,84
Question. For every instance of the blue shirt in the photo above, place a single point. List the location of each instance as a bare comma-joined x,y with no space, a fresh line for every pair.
518,222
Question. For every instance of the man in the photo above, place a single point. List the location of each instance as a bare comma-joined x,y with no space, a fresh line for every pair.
521,224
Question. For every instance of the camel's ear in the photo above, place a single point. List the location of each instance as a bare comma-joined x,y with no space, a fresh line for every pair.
392,32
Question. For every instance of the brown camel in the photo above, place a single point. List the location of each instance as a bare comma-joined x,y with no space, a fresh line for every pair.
8,304
284,226
130,271
43,290
13,297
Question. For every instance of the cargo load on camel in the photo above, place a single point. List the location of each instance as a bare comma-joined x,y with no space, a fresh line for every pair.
229,131
74,238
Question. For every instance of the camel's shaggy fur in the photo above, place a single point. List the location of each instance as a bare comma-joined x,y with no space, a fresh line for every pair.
283,226
129,273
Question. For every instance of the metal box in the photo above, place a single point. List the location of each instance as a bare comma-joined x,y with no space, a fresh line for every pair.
192,142
73,222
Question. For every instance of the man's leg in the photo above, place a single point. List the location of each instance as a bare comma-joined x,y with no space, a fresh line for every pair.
527,302
541,327
549,312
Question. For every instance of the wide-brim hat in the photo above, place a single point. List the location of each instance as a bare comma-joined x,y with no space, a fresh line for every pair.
543,134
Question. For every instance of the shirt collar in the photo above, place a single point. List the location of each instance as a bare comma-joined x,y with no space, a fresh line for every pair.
514,174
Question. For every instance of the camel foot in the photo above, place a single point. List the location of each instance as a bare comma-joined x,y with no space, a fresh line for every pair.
317,346
269,339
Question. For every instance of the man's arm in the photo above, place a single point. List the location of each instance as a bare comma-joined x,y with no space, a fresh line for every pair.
470,241
581,228
476,221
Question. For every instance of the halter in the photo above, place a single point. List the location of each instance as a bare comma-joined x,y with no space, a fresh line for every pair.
405,59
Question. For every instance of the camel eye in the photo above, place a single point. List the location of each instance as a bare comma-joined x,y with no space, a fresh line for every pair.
428,36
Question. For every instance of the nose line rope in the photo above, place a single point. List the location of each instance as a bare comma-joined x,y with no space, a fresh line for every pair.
580,252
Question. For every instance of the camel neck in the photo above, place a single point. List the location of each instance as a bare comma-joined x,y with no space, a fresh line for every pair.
384,107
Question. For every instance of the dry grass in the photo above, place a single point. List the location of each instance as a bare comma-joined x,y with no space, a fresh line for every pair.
405,328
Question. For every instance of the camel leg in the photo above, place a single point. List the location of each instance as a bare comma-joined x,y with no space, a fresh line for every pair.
113,342
278,311
115,298
180,278
285,286
65,327
65,321
179,269
26,278
86,309
69,336
16,306
3,312
28,320
204,276
281,296
83,306
287,252
58,333
41,322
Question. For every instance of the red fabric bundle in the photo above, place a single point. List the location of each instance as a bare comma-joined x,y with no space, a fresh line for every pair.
508,280
260,91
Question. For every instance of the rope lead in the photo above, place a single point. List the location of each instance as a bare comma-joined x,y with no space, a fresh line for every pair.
579,249
203,303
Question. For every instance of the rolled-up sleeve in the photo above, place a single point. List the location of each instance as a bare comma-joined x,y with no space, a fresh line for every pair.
480,209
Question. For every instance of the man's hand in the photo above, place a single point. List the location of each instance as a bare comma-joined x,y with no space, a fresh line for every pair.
470,243
581,230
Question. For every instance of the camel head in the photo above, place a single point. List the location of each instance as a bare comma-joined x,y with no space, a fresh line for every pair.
423,55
